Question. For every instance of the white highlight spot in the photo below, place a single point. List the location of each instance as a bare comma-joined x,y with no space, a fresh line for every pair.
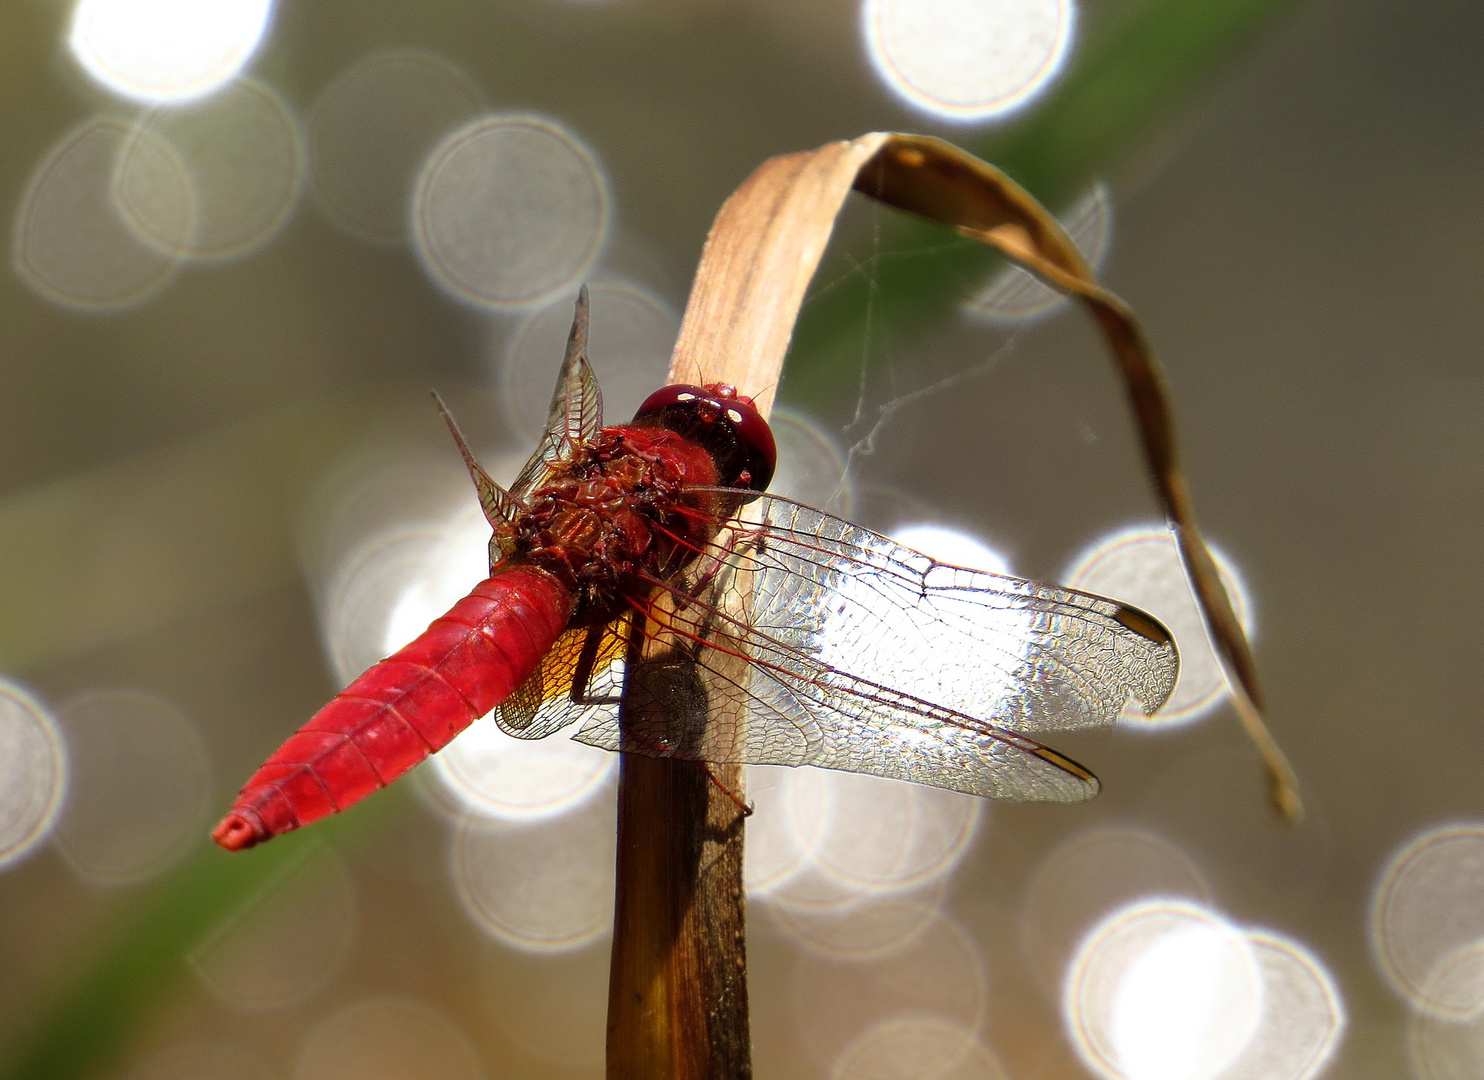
509,212
371,130
33,773
486,772
286,943
242,152
632,335
386,590
1086,876
1014,296
166,50
71,242
390,1039
1427,925
539,886
1141,566
141,787
967,60
1163,990
826,843
458,559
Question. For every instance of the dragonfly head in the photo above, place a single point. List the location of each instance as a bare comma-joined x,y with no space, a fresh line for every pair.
726,422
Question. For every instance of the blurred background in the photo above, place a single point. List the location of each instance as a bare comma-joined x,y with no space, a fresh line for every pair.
247,237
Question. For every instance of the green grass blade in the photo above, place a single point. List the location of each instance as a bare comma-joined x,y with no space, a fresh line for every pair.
143,957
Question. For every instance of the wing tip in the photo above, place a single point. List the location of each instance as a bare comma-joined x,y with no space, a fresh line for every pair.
1143,624
1160,689
1091,785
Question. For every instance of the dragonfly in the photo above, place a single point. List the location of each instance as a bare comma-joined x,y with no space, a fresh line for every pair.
644,566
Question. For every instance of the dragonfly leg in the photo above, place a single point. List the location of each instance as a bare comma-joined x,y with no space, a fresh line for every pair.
663,750
746,539
746,808
582,677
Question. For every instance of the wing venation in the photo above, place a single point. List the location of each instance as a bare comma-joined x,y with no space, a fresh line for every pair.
869,657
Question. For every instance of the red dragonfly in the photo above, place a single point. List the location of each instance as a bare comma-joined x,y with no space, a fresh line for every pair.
819,642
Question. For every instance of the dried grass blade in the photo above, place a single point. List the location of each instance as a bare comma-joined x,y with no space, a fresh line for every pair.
767,242
937,180
762,251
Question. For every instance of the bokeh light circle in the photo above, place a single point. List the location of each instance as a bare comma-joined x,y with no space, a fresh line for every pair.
1448,1043
967,60
202,1061
390,1038
491,774
242,151
166,50
74,246
916,1048
539,886
1162,990
457,561
861,926
1089,874
632,334
140,786
937,975
1427,924
811,468
288,941
387,590
1141,565
1302,1020
509,212
824,843
371,130
33,773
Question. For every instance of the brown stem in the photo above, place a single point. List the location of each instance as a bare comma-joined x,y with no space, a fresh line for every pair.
677,998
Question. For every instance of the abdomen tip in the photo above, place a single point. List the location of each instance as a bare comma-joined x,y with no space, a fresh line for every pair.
236,832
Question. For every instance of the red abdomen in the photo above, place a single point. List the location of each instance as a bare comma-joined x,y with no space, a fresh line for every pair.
406,707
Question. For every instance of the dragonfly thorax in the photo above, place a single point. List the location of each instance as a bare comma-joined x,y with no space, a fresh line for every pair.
614,518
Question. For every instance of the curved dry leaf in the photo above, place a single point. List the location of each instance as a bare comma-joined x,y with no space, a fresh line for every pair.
767,241
677,991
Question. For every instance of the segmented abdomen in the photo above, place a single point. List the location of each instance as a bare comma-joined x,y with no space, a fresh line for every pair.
406,707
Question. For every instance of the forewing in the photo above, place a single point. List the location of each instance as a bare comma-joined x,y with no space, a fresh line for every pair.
580,679
576,412
869,657
500,508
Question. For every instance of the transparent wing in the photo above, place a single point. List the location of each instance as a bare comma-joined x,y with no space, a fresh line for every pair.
580,680
865,656
499,506
576,413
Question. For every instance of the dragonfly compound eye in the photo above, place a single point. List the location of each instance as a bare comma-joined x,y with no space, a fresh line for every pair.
680,406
